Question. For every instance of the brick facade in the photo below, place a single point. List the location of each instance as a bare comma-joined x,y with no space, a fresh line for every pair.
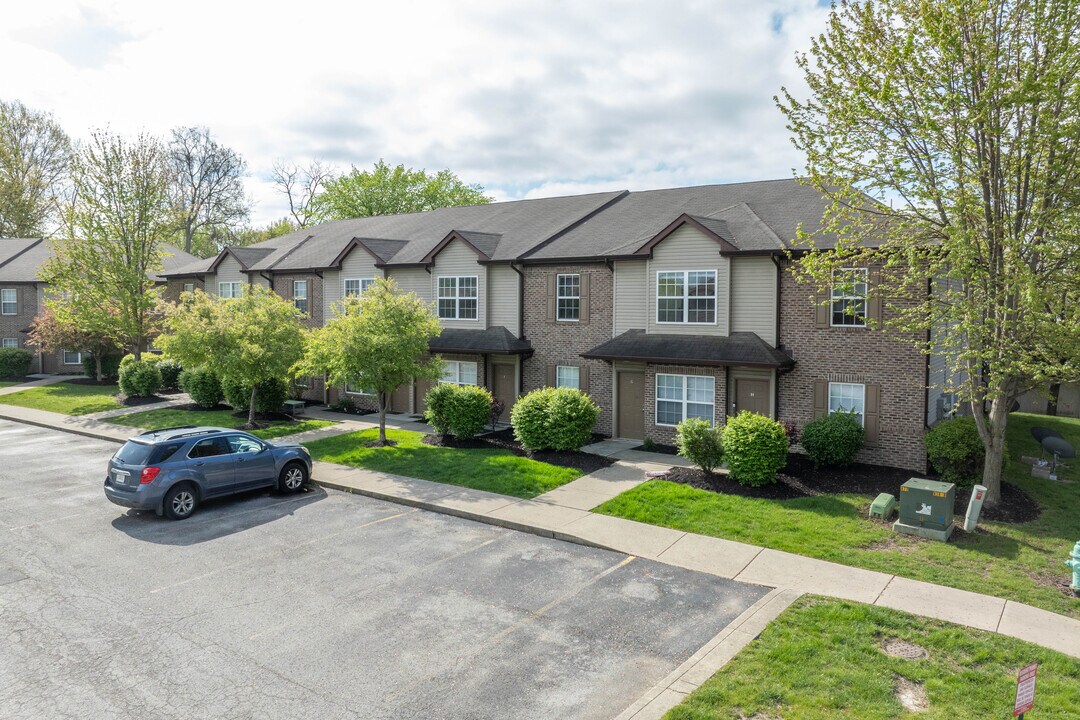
560,343
854,355
174,286
283,286
12,326
662,433
370,402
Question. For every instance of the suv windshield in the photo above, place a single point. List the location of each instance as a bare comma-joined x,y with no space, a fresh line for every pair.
137,453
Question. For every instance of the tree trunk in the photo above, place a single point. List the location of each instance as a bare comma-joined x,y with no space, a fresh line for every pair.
97,367
994,442
1055,396
382,417
251,406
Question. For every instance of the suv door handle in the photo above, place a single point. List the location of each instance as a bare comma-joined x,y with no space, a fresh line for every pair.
199,464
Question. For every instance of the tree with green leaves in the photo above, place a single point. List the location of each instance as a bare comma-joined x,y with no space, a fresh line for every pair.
377,342
386,190
102,269
947,136
55,332
35,155
251,339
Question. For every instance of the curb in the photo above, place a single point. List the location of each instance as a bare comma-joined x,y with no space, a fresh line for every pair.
73,430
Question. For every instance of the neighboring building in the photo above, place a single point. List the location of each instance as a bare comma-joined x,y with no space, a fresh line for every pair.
22,297
661,305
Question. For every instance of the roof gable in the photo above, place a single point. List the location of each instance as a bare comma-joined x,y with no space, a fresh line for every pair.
481,243
711,228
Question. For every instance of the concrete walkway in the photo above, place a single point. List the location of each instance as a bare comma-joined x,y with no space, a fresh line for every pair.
170,401
38,381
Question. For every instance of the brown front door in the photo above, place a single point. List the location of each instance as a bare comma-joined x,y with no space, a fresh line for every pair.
504,387
631,405
752,395
422,386
399,399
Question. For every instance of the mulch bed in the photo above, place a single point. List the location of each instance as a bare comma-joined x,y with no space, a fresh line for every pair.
136,401
659,448
504,440
75,380
356,411
801,479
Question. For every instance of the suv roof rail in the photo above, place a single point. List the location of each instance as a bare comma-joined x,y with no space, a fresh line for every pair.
167,429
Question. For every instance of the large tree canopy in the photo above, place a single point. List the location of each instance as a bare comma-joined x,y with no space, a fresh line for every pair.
962,118
386,190
208,188
34,158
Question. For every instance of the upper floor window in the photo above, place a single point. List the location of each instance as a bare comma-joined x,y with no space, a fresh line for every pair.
229,290
299,295
11,342
848,397
355,287
686,296
189,287
9,301
679,397
568,376
459,372
568,297
457,298
848,307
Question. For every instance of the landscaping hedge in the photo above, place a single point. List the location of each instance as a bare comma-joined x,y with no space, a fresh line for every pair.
170,373
834,439
270,395
554,419
139,378
15,362
956,451
755,448
202,385
110,366
459,410
700,443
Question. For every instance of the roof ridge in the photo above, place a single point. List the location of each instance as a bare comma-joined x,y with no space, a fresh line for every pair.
575,224
37,241
290,251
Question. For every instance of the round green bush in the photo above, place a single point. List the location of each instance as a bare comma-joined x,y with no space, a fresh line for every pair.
170,373
956,450
438,400
470,408
755,448
202,385
270,395
147,357
700,443
139,378
833,440
554,419
15,362
110,366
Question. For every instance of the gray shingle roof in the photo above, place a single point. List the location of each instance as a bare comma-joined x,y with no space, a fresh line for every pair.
739,348
21,259
496,340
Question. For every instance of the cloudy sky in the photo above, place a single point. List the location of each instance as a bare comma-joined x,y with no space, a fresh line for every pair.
527,98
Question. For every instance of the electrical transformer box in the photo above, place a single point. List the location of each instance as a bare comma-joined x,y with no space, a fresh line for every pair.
928,505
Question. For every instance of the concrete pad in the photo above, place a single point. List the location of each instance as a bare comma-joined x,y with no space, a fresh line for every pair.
711,555
529,515
949,604
640,456
609,448
331,471
475,502
781,569
659,705
625,536
1042,627
571,495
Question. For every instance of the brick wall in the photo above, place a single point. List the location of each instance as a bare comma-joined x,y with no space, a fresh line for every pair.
854,355
174,286
12,326
662,433
561,343
283,286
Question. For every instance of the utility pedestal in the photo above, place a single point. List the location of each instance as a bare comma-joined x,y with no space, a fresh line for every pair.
926,509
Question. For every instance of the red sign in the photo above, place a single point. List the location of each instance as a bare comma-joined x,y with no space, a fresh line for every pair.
1025,689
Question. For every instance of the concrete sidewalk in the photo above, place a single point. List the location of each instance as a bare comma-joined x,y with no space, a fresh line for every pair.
38,382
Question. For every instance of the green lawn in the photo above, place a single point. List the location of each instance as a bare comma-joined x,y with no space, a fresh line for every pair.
8,383
494,470
66,398
1022,562
173,417
822,660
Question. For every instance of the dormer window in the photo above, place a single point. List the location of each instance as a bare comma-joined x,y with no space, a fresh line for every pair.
686,296
458,298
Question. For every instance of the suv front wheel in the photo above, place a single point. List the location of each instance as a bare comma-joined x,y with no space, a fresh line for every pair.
292,478
180,502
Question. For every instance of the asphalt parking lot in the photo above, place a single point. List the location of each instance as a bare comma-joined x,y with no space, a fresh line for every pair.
322,605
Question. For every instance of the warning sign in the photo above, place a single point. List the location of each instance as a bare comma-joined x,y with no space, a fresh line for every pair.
1025,689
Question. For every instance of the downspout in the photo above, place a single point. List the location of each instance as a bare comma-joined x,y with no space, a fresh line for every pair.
779,283
521,326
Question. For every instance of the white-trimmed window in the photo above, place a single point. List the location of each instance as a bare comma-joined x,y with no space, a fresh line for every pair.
9,301
568,297
457,298
679,397
189,287
350,390
848,397
686,296
459,372
355,287
849,298
11,342
72,357
568,376
299,295
229,290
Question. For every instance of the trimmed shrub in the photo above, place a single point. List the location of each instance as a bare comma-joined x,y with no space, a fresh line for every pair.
270,395
834,439
344,403
110,366
700,443
15,362
202,385
139,378
438,401
470,409
956,450
170,373
554,419
755,448
147,357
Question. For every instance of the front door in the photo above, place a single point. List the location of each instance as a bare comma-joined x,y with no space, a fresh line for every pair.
422,387
504,387
752,395
631,405
214,460
399,399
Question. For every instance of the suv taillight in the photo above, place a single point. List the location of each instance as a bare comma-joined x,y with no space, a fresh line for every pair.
148,475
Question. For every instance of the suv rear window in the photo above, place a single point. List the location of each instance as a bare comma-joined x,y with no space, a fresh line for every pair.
137,453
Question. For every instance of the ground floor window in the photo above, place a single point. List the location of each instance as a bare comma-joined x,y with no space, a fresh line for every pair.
848,397
459,372
350,390
11,342
679,397
568,376
72,357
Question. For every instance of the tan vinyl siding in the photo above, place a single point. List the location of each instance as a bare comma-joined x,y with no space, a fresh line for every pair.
228,271
630,295
258,279
414,280
210,281
688,249
456,259
357,265
503,298
753,297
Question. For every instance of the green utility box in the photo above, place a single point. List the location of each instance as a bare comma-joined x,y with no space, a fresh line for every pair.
883,506
926,509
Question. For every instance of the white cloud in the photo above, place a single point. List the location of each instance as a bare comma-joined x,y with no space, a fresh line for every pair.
526,98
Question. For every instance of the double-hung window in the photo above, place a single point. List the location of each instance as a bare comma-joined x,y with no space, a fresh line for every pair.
11,342
457,298
355,287
459,372
679,397
849,298
686,296
72,357
848,397
299,295
9,301
229,290
189,287
568,376
568,297
350,390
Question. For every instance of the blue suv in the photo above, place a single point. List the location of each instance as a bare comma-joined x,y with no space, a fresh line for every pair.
172,470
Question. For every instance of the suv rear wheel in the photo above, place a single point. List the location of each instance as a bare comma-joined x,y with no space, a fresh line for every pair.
180,502
292,478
